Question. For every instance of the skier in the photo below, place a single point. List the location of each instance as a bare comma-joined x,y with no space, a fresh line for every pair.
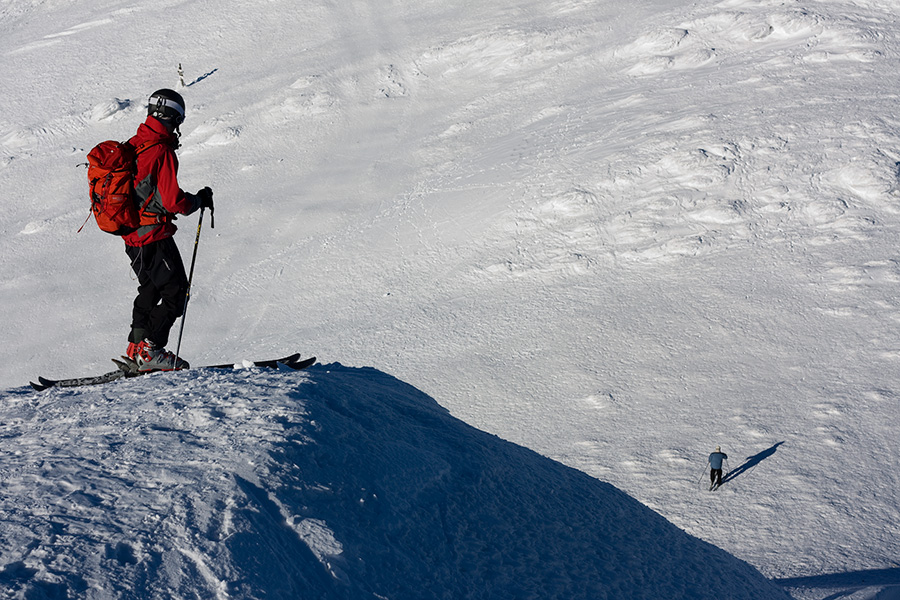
715,467
154,256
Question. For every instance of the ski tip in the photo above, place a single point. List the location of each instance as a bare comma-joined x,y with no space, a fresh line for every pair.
126,364
301,364
42,384
295,365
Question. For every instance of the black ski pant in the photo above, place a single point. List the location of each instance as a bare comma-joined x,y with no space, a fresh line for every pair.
162,290
715,476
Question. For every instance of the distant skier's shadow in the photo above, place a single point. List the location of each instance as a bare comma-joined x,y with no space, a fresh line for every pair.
751,462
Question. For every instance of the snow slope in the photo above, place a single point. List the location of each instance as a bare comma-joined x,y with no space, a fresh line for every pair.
343,483
616,237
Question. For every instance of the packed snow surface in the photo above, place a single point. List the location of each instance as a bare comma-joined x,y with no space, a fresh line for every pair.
616,235
345,483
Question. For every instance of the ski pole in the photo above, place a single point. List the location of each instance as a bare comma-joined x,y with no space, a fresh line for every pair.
702,474
187,295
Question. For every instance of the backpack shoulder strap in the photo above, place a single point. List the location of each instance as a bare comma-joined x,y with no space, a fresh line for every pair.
137,152
146,146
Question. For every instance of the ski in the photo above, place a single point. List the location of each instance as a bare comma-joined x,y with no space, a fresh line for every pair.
269,364
77,381
127,368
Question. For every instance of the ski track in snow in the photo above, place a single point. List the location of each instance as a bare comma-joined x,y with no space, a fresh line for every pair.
616,239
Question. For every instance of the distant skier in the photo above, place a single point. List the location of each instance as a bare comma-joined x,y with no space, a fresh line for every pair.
715,467
154,255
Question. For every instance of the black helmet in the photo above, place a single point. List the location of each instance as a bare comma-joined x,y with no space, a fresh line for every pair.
167,106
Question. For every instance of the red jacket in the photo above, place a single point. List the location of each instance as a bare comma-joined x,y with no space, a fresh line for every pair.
157,180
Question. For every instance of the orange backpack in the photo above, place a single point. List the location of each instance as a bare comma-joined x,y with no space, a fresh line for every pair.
112,166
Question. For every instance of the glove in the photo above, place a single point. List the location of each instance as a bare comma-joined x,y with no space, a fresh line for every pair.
206,198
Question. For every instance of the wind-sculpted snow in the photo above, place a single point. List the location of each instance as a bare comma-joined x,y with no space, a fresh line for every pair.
337,483
618,234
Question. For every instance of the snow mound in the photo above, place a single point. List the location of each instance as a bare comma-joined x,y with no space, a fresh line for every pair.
335,483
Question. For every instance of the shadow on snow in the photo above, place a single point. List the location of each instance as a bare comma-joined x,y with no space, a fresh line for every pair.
851,582
751,463
371,490
422,505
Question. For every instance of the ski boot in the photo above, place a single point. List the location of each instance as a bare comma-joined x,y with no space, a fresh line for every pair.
148,357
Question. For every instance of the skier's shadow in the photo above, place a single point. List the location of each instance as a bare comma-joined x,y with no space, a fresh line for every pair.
751,462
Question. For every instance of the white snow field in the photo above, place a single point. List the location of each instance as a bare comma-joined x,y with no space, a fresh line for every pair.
615,235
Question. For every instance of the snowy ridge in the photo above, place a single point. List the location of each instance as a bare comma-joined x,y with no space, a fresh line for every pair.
339,483
616,237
